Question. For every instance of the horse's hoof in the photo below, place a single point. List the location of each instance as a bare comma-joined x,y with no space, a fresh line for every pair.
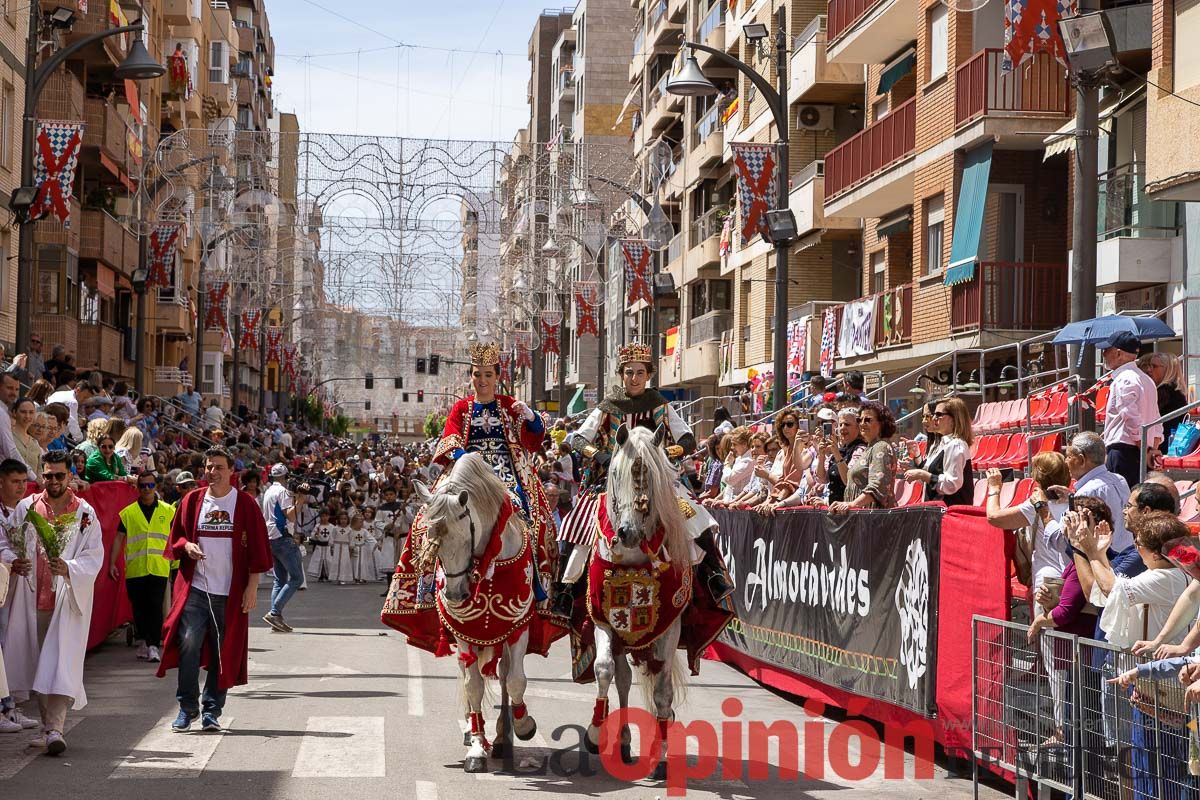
589,745
660,772
525,735
466,739
626,753
475,764
501,749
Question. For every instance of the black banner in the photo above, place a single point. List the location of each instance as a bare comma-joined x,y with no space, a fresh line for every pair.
849,600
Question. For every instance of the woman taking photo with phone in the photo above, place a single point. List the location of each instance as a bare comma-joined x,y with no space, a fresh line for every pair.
947,473
871,479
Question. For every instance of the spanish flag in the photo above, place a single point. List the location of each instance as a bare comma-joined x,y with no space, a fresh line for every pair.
672,340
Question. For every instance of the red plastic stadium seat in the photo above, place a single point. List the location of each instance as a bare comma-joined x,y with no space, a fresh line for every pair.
1037,408
981,489
1057,415
1017,455
1007,492
1024,489
1190,512
1182,462
1101,402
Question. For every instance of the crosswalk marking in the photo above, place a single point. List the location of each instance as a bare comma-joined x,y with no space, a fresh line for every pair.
416,688
426,790
15,756
342,747
163,753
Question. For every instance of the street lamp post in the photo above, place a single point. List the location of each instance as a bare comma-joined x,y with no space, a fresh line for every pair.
690,81
138,66
139,345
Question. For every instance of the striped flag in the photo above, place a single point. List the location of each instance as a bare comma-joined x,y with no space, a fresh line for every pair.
828,341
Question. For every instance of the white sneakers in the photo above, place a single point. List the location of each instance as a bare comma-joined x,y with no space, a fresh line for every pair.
55,743
8,726
25,722
154,655
143,652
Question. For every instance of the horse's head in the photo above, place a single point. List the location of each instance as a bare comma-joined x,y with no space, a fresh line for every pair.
640,484
450,538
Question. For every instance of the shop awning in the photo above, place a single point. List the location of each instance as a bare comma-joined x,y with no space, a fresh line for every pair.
1063,139
968,216
634,94
896,69
894,224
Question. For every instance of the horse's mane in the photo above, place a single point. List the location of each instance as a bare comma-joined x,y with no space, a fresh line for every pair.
660,475
471,474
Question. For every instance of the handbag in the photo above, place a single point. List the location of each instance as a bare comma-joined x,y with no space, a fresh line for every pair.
1152,698
1187,433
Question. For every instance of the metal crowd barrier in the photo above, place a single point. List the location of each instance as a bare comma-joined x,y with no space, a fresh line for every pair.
1045,714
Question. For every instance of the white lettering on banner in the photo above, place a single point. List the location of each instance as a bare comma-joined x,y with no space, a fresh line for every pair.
830,583
857,337
912,601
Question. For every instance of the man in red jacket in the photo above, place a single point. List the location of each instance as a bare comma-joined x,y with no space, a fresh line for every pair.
220,539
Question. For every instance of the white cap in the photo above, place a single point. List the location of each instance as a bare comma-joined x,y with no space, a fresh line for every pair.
279,471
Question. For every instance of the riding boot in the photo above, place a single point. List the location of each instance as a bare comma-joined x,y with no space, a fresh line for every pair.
563,604
711,571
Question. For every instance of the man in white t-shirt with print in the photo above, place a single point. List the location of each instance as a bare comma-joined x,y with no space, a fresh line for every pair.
279,512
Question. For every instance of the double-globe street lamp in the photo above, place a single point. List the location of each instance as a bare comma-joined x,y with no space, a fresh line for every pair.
691,82
138,65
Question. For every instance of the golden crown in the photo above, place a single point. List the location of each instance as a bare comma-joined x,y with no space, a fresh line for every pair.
484,355
634,353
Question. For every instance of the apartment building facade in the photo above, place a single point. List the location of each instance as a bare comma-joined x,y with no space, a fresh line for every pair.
13,32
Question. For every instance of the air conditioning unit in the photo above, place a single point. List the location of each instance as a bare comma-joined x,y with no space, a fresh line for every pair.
815,118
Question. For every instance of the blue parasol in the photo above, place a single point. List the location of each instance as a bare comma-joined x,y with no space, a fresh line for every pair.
1100,330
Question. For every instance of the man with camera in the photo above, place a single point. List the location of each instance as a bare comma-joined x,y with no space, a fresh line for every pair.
279,512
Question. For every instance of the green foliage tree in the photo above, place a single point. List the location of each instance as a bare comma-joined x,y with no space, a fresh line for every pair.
434,425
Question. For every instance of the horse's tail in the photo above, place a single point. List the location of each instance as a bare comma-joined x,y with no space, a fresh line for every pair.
679,676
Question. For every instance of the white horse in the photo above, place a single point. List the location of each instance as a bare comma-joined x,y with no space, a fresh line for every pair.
640,497
461,516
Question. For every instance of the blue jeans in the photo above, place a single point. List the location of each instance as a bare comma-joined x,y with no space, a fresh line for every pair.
203,619
289,572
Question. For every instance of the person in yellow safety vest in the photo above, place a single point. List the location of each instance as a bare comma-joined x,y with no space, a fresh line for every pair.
144,528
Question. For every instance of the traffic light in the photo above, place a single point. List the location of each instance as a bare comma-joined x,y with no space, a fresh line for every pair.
433,364
420,366
397,383
420,395
370,381
368,407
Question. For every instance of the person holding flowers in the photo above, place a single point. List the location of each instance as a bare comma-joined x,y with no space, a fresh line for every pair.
50,614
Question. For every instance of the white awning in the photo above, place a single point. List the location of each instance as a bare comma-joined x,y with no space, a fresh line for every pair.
1063,140
629,98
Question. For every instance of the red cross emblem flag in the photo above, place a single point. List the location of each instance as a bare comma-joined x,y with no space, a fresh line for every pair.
214,313
756,185
505,365
250,320
549,338
163,242
56,154
587,297
637,265
524,343
289,361
274,344
1031,26
797,345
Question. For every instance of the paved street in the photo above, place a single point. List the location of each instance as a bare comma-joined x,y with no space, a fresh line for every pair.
342,708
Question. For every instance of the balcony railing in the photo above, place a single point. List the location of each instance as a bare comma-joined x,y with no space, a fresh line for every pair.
658,10
708,327
815,27
708,224
1011,296
675,248
844,13
983,87
566,80
871,150
639,41
708,124
1125,211
714,19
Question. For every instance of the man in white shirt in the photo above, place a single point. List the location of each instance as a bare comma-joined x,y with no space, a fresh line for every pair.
1132,403
73,399
214,415
13,476
1085,460
279,512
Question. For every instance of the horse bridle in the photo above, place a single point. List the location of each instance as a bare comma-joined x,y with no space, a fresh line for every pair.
471,557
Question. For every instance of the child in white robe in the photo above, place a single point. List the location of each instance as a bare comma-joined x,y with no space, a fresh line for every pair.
322,538
362,545
342,558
